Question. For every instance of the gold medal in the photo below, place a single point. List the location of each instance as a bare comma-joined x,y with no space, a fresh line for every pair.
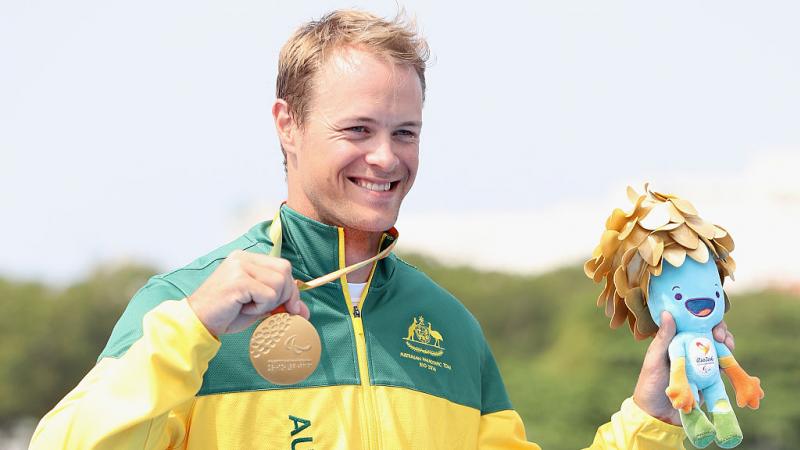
285,348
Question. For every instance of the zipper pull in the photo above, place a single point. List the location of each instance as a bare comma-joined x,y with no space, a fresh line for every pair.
356,312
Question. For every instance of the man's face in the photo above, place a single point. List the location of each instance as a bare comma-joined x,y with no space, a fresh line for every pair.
356,156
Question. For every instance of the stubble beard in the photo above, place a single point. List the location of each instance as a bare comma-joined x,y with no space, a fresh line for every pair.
345,215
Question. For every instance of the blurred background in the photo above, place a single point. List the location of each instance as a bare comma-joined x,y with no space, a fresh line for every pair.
135,137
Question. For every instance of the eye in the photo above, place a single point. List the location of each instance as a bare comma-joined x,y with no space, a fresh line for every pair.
358,129
406,135
678,296
717,294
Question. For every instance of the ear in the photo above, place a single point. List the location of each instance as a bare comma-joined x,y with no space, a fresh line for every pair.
285,126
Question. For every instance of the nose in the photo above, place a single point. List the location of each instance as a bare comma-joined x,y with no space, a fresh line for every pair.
382,155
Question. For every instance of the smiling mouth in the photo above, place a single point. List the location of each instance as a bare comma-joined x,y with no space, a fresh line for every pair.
373,186
700,307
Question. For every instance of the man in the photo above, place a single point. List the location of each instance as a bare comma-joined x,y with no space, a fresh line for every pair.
403,364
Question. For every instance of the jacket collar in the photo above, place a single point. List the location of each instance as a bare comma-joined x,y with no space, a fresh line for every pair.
316,249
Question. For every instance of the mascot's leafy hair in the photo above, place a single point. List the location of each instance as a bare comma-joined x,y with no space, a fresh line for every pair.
635,244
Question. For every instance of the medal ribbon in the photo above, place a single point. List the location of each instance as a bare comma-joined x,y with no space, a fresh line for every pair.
276,236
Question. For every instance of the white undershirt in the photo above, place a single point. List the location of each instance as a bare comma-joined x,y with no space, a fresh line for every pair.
355,292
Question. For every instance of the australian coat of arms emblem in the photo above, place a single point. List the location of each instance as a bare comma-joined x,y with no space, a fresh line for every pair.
423,338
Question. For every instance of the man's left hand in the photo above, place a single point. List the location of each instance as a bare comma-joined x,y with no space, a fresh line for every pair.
649,393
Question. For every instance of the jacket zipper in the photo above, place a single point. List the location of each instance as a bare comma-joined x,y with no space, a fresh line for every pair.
369,417
368,401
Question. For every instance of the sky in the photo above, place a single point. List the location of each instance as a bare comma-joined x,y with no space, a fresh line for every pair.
141,131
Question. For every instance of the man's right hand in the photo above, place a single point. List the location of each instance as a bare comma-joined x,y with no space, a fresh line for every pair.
244,289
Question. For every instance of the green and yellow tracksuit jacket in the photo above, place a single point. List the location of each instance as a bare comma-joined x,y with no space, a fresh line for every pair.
408,368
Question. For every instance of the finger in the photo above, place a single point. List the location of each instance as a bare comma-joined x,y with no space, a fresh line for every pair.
242,322
304,311
656,355
294,306
290,289
301,309
720,332
263,299
269,276
277,274
667,329
293,302
729,341
665,332
283,268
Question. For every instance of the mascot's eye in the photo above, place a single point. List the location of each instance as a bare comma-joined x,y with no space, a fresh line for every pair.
717,294
680,296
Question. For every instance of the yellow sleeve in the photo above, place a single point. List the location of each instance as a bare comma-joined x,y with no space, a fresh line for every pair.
503,430
141,399
633,429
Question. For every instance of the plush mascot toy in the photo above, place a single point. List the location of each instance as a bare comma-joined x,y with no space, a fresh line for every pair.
662,256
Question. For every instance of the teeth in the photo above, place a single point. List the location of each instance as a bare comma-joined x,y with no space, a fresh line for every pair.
374,186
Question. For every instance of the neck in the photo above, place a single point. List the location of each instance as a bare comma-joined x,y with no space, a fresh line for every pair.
358,246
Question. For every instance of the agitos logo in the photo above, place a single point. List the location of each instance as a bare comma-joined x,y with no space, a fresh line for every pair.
423,338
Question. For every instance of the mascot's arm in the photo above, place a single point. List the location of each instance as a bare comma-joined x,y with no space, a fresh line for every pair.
748,388
678,391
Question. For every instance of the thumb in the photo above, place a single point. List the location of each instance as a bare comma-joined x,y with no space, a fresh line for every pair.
658,348
295,305
667,329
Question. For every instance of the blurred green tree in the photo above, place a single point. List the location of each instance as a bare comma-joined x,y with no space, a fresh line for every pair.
565,370
51,338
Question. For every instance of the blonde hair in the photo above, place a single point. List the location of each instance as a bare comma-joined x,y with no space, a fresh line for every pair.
634,246
305,52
